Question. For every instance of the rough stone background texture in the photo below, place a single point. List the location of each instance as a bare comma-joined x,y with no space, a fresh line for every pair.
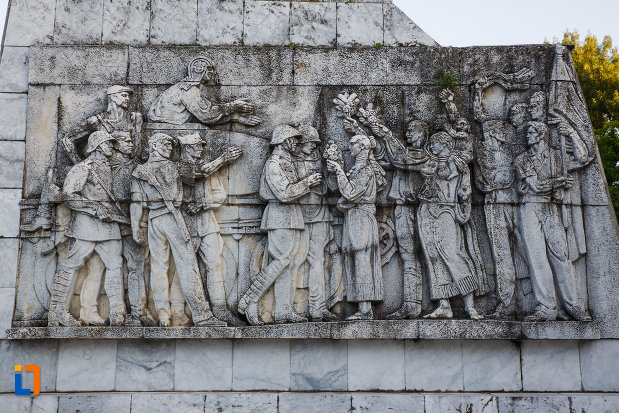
80,48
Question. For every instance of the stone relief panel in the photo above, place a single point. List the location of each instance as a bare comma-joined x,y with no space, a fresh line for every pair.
167,208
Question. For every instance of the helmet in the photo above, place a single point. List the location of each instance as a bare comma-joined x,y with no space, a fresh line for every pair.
192,139
309,134
118,89
283,132
97,138
197,67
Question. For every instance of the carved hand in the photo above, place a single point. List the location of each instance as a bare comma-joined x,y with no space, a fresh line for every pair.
333,166
523,75
446,95
104,214
232,153
350,125
314,179
249,120
192,208
69,146
243,106
139,236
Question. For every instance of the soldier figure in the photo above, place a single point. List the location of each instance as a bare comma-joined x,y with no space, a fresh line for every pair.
281,187
157,187
93,227
203,193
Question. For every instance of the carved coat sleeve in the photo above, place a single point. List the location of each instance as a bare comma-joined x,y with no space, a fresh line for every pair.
72,190
352,189
202,109
283,189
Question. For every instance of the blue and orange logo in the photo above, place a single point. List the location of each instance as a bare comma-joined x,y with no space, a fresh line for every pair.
19,390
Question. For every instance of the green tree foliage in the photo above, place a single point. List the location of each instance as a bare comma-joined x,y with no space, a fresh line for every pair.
597,66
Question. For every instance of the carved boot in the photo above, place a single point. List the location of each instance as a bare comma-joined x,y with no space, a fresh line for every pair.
164,318
90,316
224,314
503,312
542,313
411,305
289,316
580,315
209,320
365,312
179,318
248,304
325,315
147,319
442,311
58,314
132,321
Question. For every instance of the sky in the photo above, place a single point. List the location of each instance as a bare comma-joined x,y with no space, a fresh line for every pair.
501,22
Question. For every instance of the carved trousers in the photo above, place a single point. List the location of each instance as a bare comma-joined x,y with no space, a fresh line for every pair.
210,248
406,234
545,246
500,224
316,235
284,264
165,239
111,256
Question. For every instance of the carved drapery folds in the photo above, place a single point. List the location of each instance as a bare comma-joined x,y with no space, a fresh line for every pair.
184,218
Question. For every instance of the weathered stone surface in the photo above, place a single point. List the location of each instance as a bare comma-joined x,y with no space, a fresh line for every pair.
44,404
167,402
313,24
187,332
537,403
598,360
7,302
11,164
239,66
602,403
30,23
400,30
561,330
9,220
491,365
310,330
267,23
81,361
385,402
14,404
464,403
96,333
14,69
145,365
375,365
418,65
78,65
125,22
78,22
174,22
13,112
241,402
9,250
42,353
468,329
118,403
261,365
318,365
220,23
433,365
359,24
203,365
314,402
339,66
550,366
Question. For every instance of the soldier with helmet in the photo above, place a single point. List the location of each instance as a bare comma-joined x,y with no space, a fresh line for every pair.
93,227
281,188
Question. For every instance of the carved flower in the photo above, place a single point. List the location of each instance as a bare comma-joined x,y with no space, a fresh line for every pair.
346,104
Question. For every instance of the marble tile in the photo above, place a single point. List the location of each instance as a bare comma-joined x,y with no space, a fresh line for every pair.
86,365
44,403
359,24
551,365
434,365
174,22
9,219
534,403
145,365
78,22
12,164
461,403
313,24
314,402
7,303
598,363
30,22
43,353
318,365
400,30
126,22
241,402
387,403
203,365
9,250
491,365
266,23
598,403
117,403
167,402
220,23
15,404
376,365
261,365
13,108
14,70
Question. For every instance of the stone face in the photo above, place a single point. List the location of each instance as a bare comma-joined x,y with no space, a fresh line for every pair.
359,24
313,402
30,23
385,402
318,365
267,23
42,353
434,365
14,69
162,402
11,164
145,366
375,365
81,361
220,22
313,24
241,402
550,366
78,22
120,403
597,361
125,22
491,365
13,111
203,365
173,21
261,365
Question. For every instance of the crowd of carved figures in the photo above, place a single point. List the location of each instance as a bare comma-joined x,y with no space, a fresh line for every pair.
146,206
